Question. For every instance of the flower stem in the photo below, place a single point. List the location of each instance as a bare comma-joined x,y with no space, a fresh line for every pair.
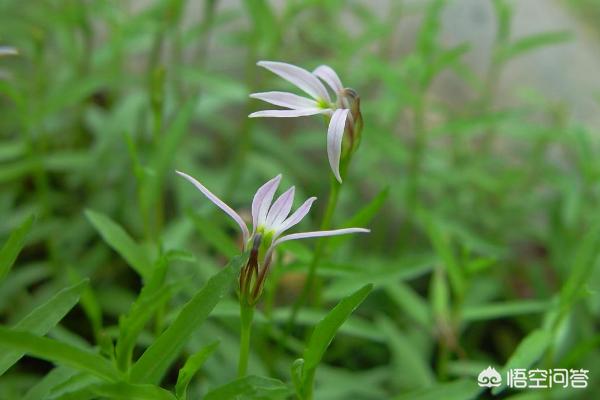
246,315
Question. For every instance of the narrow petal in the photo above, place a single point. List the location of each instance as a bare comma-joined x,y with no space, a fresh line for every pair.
304,235
280,208
8,51
296,217
221,204
328,75
262,201
335,134
283,99
299,77
289,113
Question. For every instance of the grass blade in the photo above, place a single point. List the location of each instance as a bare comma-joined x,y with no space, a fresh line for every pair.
42,319
128,391
192,365
464,389
166,348
527,353
58,352
324,333
13,246
118,239
250,387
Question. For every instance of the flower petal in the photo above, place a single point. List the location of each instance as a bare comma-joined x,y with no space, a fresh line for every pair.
296,217
328,75
289,113
335,134
8,51
299,77
284,99
262,201
221,204
304,235
280,208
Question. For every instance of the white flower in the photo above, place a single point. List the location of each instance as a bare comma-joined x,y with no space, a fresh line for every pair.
8,51
319,103
270,219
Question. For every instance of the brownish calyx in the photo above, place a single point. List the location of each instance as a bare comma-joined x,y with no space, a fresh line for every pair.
252,278
349,99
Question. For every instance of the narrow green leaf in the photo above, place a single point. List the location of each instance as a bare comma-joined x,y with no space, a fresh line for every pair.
43,318
530,43
408,359
191,366
152,296
41,389
128,391
166,348
410,303
322,336
326,329
503,310
75,386
441,241
250,388
464,389
13,246
527,353
118,239
297,374
58,352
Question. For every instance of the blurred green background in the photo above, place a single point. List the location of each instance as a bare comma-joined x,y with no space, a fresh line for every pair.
478,174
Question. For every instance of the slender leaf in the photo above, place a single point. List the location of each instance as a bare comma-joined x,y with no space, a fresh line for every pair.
409,361
527,353
530,43
121,242
13,246
167,347
250,388
326,329
41,390
43,318
191,366
58,352
128,391
464,389
152,296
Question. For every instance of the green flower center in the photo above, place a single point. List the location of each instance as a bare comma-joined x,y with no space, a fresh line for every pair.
321,103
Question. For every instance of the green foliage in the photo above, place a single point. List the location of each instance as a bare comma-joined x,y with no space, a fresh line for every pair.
155,361
59,353
12,247
320,339
191,366
121,242
251,388
479,184
43,318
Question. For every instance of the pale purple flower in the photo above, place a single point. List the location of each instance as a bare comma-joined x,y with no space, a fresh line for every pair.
270,219
319,103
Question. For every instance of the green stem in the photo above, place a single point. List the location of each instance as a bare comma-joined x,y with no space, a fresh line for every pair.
246,315
420,144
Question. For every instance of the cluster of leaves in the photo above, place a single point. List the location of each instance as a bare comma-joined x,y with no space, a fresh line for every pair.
485,230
